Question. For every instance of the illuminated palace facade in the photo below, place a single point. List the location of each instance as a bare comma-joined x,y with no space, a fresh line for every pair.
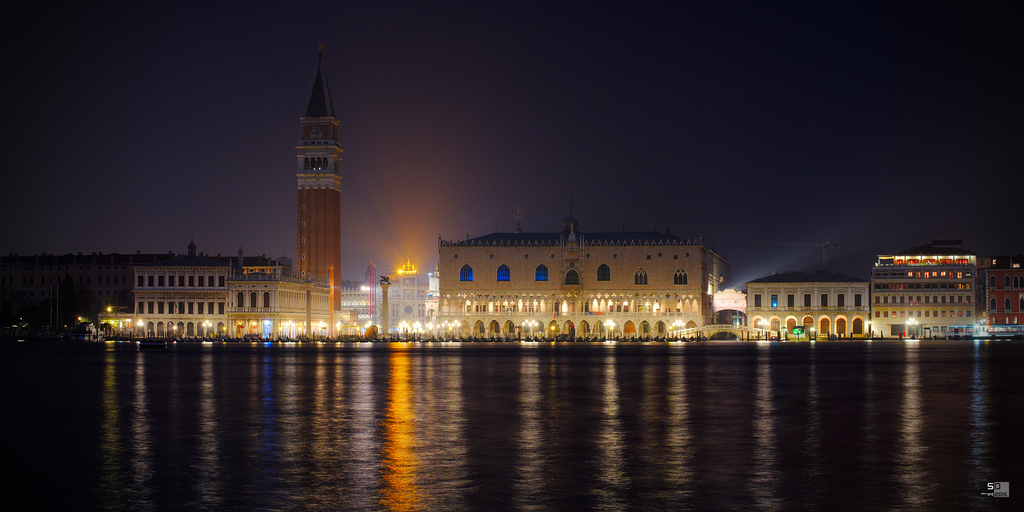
571,283
822,305
318,229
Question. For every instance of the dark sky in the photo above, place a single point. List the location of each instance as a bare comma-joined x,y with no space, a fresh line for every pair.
875,127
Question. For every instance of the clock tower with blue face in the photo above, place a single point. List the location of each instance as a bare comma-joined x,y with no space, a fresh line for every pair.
318,239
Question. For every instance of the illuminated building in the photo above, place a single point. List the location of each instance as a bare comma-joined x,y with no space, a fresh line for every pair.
183,296
830,304
407,300
631,284
353,303
1004,294
925,291
318,160
195,295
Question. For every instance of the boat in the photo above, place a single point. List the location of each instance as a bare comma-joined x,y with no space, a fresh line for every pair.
152,343
86,331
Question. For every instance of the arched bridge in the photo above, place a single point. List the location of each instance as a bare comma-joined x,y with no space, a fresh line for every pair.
740,331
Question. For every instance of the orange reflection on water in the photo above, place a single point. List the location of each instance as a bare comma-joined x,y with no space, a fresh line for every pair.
400,464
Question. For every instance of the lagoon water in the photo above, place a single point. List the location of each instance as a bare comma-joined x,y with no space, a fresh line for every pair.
476,426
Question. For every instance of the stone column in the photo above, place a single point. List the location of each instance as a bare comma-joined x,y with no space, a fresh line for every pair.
385,308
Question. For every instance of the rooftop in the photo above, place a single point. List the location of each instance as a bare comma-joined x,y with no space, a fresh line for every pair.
808,277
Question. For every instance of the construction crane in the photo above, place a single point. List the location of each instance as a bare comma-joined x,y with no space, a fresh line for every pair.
825,246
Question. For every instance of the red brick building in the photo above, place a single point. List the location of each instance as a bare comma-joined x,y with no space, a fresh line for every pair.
1005,290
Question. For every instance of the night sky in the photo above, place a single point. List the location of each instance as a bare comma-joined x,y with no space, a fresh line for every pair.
872,126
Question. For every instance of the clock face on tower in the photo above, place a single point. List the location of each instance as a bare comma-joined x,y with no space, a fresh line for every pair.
315,131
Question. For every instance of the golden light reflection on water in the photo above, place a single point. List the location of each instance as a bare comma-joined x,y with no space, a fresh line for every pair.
400,464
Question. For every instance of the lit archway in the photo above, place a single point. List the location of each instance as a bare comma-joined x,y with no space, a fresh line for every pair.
629,328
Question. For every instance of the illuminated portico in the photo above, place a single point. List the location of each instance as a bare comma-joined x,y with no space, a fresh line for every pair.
576,284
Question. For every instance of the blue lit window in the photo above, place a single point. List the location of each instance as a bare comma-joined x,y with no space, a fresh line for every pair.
775,300
466,274
542,273
503,274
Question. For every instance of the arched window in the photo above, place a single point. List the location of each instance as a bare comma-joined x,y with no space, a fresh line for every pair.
1020,307
1006,304
240,303
571,277
1006,281
680,277
541,274
992,304
466,274
992,282
252,300
604,273
266,299
640,277
503,273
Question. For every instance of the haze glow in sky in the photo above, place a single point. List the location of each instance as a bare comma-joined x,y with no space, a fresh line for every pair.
872,126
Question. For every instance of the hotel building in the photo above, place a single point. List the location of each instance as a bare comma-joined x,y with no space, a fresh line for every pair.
925,291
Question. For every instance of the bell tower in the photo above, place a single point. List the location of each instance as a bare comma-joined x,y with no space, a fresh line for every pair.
318,157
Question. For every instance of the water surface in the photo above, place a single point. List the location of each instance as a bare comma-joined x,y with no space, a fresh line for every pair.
709,426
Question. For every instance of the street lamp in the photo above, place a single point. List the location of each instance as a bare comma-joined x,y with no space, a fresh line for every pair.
610,325
911,328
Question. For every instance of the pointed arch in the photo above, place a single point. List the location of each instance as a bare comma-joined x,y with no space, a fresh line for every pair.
680,277
640,276
572,277
503,273
466,273
541,274
604,273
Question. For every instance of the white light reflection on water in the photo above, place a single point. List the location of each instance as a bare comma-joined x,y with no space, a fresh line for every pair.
210,478
870,455
765,479
911,474
529,469
813,479
364,457
141,440
611,478
979,448
440,430
679,440
111,470
326,418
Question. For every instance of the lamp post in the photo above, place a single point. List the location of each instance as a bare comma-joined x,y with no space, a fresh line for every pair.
610,325
911,330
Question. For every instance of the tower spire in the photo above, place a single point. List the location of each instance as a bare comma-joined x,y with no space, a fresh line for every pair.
320,103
